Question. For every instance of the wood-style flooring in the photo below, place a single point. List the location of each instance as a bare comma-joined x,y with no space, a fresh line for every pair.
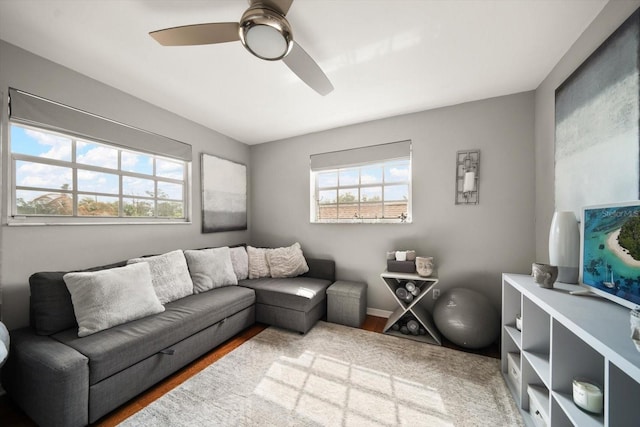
10,415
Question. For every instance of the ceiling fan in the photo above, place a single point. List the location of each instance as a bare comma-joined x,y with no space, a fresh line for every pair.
264,31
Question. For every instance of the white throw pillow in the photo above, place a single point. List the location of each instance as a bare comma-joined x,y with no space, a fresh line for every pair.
170,275
210,268
240,262
106,298
258,265
287,262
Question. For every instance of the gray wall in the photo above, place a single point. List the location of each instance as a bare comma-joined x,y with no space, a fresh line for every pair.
610,18
472,245
25,250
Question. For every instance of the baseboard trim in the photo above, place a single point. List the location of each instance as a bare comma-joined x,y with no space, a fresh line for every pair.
379,313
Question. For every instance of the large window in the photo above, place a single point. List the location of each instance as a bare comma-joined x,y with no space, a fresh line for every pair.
58,174
378,190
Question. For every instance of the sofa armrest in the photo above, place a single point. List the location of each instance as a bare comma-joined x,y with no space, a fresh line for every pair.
321,269
47,379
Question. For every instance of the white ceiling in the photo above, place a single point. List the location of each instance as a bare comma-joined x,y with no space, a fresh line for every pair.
384,58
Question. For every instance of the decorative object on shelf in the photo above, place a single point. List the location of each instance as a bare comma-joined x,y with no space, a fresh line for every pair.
391,255
411,255
564,246
544,274
467,184
519,322
424,266
401,255
224,195
467,318
588,395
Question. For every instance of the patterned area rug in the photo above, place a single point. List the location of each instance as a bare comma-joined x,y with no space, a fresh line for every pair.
338,376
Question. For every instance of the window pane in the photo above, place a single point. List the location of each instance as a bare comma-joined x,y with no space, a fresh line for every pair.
396,192
327,179
348,211
170,210
327,197
371,194
328,212
168,190
395,209
349,177
98,182
371,174
137,207
90,153
168,169
347,195
371,210
31,174
135,162
397,171
41,144
43,203
132,186
96,205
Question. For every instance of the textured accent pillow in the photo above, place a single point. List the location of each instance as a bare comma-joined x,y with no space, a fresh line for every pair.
170,275
258,265
210,268
107,298
240,262
287,262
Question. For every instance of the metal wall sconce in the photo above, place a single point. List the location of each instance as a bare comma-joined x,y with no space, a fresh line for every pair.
467,183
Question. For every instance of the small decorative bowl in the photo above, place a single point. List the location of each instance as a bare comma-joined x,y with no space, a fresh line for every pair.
544,275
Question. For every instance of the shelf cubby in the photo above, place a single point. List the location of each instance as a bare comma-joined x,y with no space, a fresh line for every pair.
624,410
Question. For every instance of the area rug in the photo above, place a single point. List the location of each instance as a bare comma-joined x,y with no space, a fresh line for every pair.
338,376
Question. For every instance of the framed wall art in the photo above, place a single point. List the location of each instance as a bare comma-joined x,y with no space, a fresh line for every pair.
224,194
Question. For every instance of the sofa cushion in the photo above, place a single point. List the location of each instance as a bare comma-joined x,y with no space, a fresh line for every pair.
112,350
296,293
240,262
50,301
106,298
170,275
287,262
258,265
210,268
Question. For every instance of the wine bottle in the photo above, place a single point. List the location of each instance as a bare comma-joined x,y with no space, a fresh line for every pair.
402,293
413,326
410,286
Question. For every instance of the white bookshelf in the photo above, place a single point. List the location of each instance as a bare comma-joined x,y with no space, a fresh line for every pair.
566,336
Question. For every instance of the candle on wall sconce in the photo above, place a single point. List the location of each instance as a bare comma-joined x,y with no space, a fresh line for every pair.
467,184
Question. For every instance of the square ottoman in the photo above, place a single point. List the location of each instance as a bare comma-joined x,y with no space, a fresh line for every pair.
347,303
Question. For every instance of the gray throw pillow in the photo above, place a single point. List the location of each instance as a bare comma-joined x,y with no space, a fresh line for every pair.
210,268
170,275
240,262
107,298
258,265
287,262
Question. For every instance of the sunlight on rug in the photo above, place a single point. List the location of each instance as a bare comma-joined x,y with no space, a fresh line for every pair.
338,376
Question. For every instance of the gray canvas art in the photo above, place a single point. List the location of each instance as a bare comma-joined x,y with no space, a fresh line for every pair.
224,195
597,116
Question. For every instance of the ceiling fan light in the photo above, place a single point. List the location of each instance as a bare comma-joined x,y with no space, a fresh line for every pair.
266,42
265,33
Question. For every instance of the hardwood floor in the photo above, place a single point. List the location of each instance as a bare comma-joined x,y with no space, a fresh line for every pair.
10,415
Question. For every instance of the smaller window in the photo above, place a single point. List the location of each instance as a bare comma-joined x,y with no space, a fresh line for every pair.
378,190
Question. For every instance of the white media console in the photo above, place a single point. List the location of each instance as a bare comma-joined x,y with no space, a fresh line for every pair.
566,336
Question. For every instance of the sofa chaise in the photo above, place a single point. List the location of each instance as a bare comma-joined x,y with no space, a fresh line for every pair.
61,379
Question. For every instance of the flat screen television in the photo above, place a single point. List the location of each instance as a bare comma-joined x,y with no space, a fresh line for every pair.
610,252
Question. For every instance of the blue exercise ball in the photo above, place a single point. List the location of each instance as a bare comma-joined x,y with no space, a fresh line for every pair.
466,318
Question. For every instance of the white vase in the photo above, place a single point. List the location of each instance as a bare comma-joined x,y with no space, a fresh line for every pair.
564,246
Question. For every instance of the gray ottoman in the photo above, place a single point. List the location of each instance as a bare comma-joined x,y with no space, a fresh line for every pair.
347,303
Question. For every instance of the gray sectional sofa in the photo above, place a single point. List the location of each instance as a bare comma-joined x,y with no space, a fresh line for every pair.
60,379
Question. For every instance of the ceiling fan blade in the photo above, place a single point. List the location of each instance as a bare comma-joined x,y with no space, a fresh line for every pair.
281,6
217,32
307,69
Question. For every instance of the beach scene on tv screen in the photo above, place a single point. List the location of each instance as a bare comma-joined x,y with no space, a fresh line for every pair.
611,251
